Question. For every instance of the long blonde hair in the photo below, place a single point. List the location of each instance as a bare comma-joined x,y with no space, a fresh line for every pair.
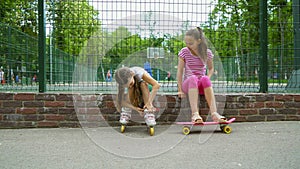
202,48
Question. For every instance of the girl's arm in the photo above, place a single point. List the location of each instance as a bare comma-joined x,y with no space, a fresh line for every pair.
126,103
180,67
155,86
210,66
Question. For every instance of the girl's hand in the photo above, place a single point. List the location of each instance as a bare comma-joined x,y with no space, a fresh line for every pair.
139,110
150,107
181,95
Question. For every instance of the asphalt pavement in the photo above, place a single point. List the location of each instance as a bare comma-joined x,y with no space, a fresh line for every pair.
250,145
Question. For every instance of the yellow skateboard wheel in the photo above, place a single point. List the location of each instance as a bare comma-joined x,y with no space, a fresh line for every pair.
227,129
151,131
123,128
186,130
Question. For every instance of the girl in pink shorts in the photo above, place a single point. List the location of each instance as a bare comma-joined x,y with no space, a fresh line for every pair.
191,74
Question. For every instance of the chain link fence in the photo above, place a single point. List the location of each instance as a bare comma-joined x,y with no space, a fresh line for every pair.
87,40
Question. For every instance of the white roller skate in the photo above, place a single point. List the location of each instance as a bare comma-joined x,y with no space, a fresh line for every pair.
125,118
150,121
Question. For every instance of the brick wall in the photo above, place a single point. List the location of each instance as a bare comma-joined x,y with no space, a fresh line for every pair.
32,110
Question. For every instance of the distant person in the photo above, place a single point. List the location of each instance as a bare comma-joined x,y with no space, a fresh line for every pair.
2,77
17,80
169,76
34,79
108,76
148,68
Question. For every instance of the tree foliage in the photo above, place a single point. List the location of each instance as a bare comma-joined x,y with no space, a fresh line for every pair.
233,28
74,22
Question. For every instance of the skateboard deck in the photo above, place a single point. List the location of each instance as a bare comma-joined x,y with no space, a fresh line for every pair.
223,125
206,123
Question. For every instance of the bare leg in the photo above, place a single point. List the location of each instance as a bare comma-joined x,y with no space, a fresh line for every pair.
145,91
193,98
210,98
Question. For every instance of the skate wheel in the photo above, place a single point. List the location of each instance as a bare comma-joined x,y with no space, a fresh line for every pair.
186,130
226,129
151,131
123,128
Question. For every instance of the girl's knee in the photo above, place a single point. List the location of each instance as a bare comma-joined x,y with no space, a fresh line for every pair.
205,81
193,82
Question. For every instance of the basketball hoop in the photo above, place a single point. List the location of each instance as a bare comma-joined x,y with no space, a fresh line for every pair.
155,52
156,55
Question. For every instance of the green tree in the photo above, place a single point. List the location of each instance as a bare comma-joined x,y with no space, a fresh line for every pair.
233,28
74,22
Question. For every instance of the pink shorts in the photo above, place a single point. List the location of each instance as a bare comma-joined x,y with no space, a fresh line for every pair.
196,82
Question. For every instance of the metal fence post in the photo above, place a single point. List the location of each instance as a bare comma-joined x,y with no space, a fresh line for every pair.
263,46
42,46
296,18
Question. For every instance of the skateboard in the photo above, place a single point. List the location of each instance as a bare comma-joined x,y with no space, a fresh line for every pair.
150,129
223,125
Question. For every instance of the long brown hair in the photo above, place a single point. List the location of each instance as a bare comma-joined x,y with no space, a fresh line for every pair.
202,48
122,76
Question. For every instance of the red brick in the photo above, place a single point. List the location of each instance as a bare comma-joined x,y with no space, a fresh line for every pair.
33,104
94,118
8,110
248,112
27,110
47,110
54,117
267,111
66,111
24,96
240,118
293,117
287,111
55,104
275,117
64,97
259,105
45,97
71,117
297,98
283,97
34,117
69,104
12,103
8,124
47,124
292,104
26,124
69,124
6,96
256,118
231,112
255,105
274,104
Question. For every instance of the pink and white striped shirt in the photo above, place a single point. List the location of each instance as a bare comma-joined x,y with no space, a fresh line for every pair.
194,65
